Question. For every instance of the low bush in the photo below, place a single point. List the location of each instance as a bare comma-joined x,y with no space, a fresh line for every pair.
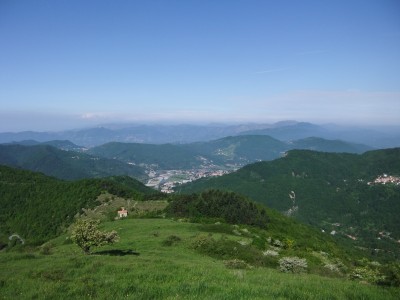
45,249
171,240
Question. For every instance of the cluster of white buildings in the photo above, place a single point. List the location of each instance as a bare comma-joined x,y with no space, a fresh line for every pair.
384,179
165,181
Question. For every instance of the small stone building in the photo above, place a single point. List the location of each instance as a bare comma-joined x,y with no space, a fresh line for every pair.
122,213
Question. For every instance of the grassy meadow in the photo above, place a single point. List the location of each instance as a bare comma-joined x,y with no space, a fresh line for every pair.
147,264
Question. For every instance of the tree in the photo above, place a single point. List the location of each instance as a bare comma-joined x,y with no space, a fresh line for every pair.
85,234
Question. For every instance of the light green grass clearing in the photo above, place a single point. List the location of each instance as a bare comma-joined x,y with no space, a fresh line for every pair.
159,272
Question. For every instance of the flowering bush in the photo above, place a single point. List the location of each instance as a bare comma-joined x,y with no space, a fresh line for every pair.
366,274
86,235
293,265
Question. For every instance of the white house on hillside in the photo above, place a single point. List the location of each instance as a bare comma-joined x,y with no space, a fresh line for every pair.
122,213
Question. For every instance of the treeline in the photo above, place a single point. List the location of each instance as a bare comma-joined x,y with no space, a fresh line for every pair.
230,207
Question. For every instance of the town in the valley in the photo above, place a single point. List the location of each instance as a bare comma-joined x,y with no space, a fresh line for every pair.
167,180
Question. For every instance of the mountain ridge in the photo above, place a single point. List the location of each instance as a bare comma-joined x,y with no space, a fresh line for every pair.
188,133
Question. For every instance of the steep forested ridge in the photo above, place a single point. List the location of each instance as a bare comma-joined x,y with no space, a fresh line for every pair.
39,207
62,164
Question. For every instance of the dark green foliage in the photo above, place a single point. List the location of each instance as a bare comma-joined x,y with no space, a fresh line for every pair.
38,207
231,207
391,275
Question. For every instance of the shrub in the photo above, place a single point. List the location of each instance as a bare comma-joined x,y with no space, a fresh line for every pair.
293,265
366,274
46,248
202,242
170,240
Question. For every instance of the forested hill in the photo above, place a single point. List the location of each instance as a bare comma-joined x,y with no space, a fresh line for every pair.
62,164
39,207
336,192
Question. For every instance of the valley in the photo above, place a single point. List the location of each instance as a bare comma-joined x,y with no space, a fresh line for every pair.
200,150
249,206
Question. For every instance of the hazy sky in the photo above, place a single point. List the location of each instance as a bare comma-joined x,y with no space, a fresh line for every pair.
65,64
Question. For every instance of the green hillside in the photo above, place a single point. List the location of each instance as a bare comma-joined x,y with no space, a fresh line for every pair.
160,259
240,149
327,190
62,164
203,246
38,207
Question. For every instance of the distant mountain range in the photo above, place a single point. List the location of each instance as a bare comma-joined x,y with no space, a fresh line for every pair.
340,193
229,151
183,134
65,160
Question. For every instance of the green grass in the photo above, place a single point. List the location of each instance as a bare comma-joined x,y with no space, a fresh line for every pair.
158,271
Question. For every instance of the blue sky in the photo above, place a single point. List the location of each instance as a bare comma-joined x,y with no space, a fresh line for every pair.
66,64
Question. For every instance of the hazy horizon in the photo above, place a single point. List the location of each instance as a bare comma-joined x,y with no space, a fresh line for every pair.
73,64
77,126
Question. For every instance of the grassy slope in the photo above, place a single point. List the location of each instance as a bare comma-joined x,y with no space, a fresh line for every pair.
159,272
